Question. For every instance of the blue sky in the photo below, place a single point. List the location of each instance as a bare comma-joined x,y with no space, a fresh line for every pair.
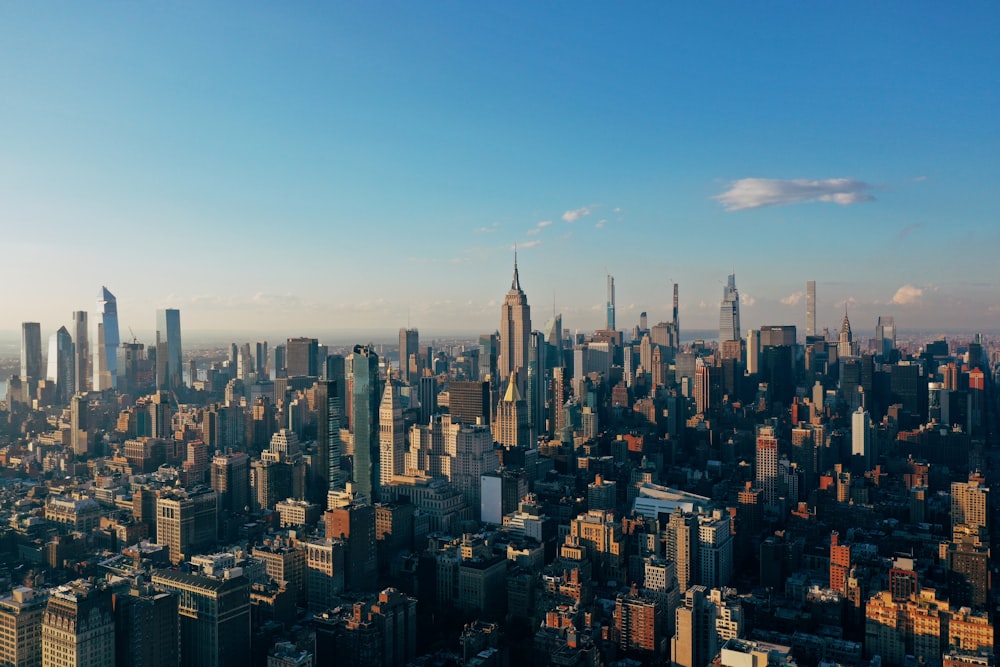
293,168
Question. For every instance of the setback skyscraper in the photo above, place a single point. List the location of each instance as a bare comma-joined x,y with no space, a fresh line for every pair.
169,372
106,372
729,312
515,330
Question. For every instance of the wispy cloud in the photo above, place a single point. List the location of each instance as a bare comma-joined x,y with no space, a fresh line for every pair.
757,192
907,294
920,179
793,299
529,244
540,226
576,214
488,230
600,223
909,229
747,300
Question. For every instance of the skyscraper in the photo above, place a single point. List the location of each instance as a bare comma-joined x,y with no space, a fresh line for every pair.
61,365
78,626
82,363
409,344
885,337
767,463
106,372
31,351
391,433
326,468
862,436
729,312
610,324
364,409
301,357
810,308
169,369
515,329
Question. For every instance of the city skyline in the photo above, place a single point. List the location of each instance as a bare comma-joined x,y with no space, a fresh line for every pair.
850,145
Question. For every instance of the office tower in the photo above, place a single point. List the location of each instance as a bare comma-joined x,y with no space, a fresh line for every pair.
695,643
284,562
280,361
355,525
301,357
862,437
767,464
535,385
427,391
729,312
213,617
469,402
391,433
676,315
885,337
681,547
146,632
61,365
106,371
134,374
270,481
81,351
602,494
753,351
78,626
845,344
231,481
169,364
489,348
263,360
610,321
326,473
409,345
365,396
79,418
715,549
21,627
515,329
324,572
810,308
600,533
31,351
186,522
511,428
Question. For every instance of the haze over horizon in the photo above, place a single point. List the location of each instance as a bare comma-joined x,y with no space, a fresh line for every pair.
274,169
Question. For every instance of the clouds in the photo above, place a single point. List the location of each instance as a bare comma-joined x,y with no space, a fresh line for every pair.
757,192
576,214
539,227
793,299
907,294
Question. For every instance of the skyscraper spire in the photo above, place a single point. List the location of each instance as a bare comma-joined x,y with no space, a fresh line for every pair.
515,284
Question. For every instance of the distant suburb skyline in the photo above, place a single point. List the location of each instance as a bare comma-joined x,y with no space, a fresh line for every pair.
268,168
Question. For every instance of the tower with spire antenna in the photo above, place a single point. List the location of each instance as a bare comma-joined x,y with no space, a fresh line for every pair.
846,346
729,312
391,434
515,331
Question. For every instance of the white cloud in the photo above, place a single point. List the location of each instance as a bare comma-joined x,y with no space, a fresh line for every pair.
747,300
539,227
793,299
530,244
600,223
907,294
757,192
576,214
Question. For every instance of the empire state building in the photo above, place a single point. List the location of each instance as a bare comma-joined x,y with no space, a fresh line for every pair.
515,330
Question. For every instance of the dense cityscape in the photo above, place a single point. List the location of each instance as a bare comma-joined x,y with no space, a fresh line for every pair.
783,495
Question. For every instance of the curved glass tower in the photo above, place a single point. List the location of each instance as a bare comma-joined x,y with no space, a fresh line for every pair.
106,372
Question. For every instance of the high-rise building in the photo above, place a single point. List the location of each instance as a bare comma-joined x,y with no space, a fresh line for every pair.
365,396
469,402
695,642
231,481
78,626
31,351
845,344
106,371
186,522
409,345
82,363
146,632
715,549
79,417
21,627
515,330
213,616
862,436
391,433
970,508
263,361
885,337
639,623
729,312
326,466
300,357
355,525
767,464
810,308
511,428
62,369
169,363
280,361
536,385
610,321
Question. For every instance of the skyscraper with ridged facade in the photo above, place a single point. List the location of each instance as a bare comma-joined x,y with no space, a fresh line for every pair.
365,397
515,332
106,371
169,370
729,312
391,433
